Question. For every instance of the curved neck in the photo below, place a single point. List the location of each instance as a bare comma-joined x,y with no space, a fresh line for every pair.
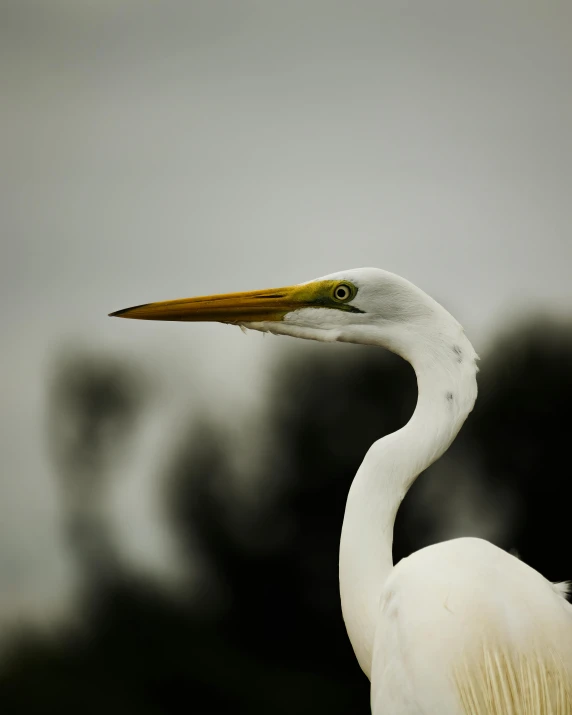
446,379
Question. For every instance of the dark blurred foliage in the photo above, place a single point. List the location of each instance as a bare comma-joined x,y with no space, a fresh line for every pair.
523,424
267,634
94,402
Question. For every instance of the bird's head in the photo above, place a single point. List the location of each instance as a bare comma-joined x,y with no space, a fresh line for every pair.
363,305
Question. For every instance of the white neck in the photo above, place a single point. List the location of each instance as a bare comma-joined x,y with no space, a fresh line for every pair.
446,378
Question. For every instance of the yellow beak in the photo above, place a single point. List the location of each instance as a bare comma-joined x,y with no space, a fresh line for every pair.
249,307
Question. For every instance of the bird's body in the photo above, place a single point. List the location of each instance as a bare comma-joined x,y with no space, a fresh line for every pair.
459,628
465,628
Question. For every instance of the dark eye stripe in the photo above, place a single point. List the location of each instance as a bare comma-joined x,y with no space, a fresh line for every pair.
332,300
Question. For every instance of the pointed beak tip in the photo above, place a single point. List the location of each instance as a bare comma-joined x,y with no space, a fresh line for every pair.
125,312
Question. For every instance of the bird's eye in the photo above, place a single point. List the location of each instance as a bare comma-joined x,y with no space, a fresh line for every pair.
342,292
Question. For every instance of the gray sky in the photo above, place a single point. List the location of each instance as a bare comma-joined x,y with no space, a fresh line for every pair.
158,149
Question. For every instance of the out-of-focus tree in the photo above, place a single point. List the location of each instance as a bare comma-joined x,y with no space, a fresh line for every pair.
93,406
522,425
266,634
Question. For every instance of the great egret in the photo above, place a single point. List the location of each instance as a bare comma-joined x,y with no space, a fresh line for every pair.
458,628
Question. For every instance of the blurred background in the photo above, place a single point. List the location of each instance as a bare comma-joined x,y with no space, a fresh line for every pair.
171,496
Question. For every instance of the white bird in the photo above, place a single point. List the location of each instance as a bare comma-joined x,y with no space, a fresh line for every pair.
458,628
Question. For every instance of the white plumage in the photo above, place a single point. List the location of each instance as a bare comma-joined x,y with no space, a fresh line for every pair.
458,628
467,629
